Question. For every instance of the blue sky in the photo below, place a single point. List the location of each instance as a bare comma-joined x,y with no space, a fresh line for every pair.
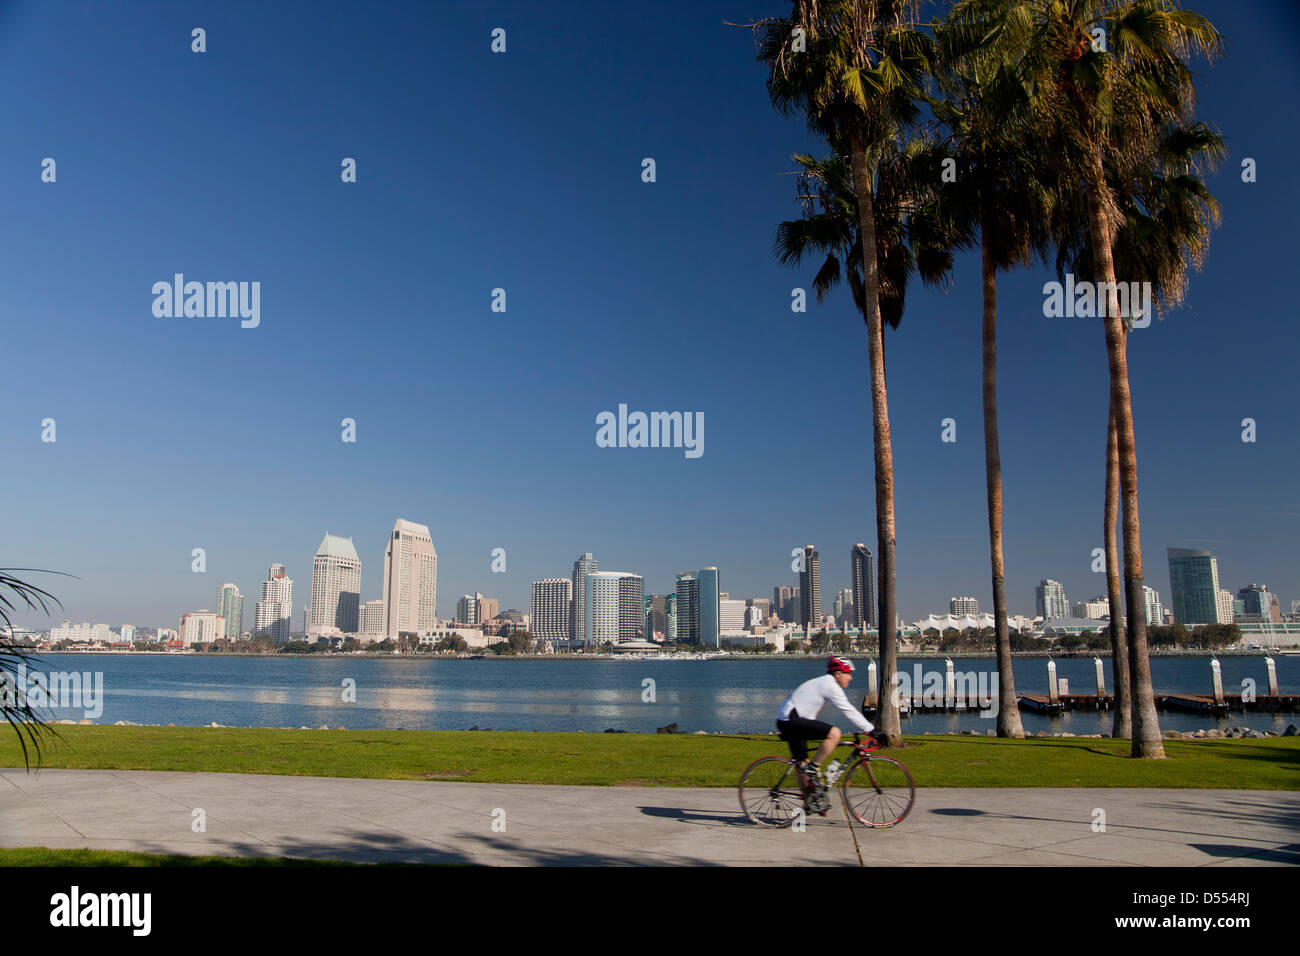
522,171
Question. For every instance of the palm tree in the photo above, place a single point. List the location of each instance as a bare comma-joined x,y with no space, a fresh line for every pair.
1136,83
1165,215
14,707
852,69
998,196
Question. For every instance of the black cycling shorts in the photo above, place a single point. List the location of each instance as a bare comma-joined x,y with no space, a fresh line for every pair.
797,731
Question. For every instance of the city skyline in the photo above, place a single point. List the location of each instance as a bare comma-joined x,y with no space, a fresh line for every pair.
525,473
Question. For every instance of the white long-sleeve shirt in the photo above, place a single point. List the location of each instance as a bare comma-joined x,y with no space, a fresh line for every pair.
810,696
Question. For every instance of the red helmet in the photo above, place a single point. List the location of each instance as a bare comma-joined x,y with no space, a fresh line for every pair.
839,665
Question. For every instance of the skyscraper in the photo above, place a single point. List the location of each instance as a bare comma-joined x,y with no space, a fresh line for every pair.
615,610
585,565
467,608
864,587
1049,597
275,610
1224,607
670,617
230,605
410,580
373,619
1151,599
335,588
1194,583
688,609
710,607
810,589
552,614
1256,602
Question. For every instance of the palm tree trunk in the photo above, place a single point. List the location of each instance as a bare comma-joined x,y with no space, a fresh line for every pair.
1146,725
1122,726
1008,709
890,724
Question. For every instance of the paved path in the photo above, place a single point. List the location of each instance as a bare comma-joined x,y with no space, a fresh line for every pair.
418,821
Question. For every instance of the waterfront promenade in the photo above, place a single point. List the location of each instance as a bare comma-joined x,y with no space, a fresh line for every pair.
375,820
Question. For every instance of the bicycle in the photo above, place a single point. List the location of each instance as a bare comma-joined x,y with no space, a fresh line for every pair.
772,789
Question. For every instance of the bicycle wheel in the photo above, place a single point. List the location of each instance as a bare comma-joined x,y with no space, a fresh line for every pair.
878,791
770,793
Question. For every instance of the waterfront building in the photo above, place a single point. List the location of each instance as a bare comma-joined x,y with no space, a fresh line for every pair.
373,619
552,614
1256,603
1151,600
586,564
128,632
863,567
275,609
615,607
335,588
1049,599
81,633
202,627
230,605
810,588
1194,584
1224,607
467,608
731,615
410,580
963,605
1098,607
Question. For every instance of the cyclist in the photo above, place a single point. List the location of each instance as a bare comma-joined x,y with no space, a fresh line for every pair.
797,721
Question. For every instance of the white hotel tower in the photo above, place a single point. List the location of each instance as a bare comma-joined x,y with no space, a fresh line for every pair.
335,588
275,609
410,580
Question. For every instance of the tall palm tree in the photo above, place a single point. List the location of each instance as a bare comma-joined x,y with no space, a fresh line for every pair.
852,69
1165,211
1139,81
997,199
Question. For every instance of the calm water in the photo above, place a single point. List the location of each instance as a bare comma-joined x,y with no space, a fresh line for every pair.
725,695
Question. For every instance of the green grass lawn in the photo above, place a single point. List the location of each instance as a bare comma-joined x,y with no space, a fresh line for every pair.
651,759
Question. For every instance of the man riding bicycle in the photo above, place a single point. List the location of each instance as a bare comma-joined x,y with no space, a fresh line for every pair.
797,722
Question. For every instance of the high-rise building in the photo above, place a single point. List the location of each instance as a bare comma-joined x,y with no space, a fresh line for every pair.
658,621
763,605
670,618
1256,603
410,580
467,608
1049,597
688,609
202,627
373,619
230,605
1223,607
1151,600
1095,609
844,606
864,587
810,589
275,610
1194,583
335,588
488,608
552,614
615,610
128,632
963,605
709,607
585,565
731,615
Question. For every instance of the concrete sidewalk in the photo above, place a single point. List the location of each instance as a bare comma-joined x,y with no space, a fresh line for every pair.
436,822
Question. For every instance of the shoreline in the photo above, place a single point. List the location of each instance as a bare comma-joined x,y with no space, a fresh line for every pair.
685,656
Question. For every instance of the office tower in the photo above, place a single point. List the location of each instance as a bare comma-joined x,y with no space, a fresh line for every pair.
844,606
764,608
128,632
488,608
709,607
1050,600
731,615
810,589
963,605
1194,583
230,605
615,607
275,610
585,565
657,608
864,587
781,598
753,616
552,614
202,627
373,619
670,617
1225,607
1256,603
335,588
410,580
467,608
688,609
1151,600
